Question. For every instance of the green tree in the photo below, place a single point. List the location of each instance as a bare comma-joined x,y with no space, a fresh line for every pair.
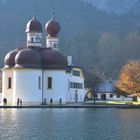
131,46
93,76
109,48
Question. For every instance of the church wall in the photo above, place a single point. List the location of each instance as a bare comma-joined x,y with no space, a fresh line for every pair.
59,85
75,89
26,85
68,88
0,84
34,39
34,85
52,42
7,92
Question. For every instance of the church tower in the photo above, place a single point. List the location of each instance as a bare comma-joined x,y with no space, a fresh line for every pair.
34,33
52,28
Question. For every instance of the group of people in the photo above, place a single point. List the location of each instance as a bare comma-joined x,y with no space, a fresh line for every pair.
51,101
60,101
19,102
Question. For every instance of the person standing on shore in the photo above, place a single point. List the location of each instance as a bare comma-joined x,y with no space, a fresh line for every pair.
60,101
4,101
45,102
51,101
20,102
17,101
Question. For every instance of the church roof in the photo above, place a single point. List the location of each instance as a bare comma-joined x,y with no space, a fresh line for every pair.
52,28
33,25
35,58
70,68
28,58
53,59
9,60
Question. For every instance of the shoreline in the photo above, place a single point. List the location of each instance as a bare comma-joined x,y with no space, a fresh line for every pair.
73,106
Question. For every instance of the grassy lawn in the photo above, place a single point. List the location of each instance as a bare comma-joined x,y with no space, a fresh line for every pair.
111,102
119,102
116,102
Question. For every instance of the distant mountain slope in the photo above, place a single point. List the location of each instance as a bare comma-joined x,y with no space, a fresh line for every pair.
113,6
88,33
74,16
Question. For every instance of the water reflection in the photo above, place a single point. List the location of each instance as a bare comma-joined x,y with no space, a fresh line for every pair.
69,124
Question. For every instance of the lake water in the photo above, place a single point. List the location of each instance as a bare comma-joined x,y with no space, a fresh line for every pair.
69,124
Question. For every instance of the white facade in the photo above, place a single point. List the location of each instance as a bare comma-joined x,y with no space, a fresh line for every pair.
59,87
7,85
0,86
56,80
76,86
26,85
113,97
31,85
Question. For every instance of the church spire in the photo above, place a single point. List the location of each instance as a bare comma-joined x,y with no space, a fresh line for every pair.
34,12
34,32
53,14
52,28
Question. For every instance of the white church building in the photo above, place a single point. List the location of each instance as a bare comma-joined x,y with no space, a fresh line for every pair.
36,73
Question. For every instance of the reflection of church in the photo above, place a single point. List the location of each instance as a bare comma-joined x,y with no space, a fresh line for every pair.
34,73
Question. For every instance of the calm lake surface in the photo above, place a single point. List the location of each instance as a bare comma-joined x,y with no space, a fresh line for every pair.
69,124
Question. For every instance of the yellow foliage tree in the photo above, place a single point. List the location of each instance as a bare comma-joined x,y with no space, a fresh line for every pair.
129,79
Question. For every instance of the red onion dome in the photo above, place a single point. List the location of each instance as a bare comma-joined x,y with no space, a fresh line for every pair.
28,58
53,59
33,25
52,28
9,60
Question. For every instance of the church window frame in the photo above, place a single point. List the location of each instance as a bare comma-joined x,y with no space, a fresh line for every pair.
32,39
49,83
76,73
9,82
39,82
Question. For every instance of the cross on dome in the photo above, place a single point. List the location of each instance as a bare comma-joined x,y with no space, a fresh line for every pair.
34,11
53,14
52,26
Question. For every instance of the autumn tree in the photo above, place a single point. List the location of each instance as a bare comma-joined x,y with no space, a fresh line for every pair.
129,79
